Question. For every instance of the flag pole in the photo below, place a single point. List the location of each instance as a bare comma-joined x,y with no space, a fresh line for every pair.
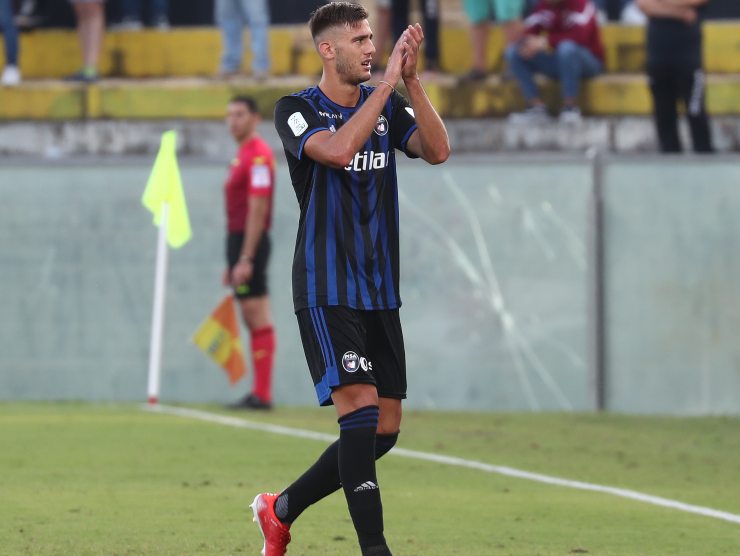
160,279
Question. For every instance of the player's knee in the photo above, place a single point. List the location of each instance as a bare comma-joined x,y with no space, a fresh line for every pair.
350,397
384,443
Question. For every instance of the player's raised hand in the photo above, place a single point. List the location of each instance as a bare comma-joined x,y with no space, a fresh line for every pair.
395,64
415,38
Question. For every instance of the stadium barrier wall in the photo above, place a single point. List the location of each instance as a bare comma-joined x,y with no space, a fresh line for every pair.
496,282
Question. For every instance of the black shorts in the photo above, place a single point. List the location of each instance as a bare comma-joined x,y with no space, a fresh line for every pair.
257,286
348,346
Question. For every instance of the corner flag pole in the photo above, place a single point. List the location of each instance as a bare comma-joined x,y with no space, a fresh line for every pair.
164,198
160,280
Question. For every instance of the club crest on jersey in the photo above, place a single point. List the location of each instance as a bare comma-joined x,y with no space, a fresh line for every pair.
381,126
350,361
368,160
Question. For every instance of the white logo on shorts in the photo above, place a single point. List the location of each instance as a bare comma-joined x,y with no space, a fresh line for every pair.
297,123
350,362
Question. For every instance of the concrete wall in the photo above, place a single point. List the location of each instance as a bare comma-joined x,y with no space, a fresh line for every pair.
495,283
672,275
203,138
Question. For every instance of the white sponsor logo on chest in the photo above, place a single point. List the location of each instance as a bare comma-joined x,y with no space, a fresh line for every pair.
369,160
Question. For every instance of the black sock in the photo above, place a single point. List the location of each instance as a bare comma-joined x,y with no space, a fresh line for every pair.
384,443
381,550
321,479
357,473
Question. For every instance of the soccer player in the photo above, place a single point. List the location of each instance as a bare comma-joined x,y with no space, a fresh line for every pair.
340,140
248,194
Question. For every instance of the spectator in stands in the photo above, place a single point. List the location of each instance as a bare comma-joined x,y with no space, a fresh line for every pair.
480,13
381,31
430,13
11,74
561,41
231,16
132,19
90,30
674,66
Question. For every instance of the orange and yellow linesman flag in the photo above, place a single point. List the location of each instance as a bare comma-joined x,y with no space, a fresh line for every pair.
165,186
218,337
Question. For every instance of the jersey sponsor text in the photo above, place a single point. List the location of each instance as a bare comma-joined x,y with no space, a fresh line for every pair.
368,160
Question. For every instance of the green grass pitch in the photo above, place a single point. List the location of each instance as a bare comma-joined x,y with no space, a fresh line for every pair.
116,480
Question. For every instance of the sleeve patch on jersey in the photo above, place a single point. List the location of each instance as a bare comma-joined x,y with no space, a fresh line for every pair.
297,123
260,176
410,111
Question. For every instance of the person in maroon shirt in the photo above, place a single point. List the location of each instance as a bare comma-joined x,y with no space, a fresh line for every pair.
248,194
561,41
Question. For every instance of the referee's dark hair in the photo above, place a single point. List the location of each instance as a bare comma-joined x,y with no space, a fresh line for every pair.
247,101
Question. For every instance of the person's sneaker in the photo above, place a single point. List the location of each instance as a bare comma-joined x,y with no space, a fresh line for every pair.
228,74
250,401
275,532
535,114
84,76
128,23
11,76
570,115
474,76
260,76
161,23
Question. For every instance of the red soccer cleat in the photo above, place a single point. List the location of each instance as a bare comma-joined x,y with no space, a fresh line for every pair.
275,532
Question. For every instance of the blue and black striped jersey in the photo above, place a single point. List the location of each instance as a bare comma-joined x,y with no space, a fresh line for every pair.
347,245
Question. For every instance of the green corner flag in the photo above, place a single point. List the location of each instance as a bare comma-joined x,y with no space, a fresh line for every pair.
165,186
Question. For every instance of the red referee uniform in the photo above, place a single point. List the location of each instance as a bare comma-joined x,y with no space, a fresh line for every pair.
252,174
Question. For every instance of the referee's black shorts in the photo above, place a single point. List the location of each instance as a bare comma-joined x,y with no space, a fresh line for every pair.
349,346
257,286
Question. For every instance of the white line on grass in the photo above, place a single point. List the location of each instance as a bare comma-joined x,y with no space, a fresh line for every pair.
449,460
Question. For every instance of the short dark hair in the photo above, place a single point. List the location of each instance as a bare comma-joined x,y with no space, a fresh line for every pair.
247,101
335,13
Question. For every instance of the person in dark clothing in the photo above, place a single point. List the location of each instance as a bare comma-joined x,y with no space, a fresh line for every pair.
430,10
674,67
